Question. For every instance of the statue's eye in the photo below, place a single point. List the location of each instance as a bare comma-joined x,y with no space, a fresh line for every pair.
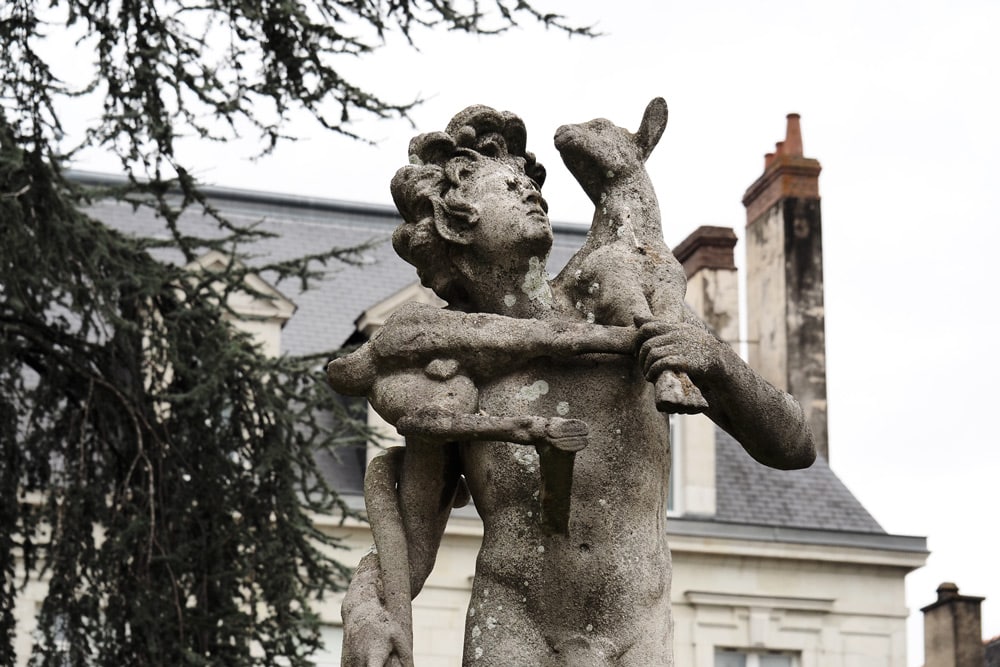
512,184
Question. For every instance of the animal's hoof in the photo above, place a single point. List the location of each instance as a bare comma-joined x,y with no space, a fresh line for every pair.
568,435
675,393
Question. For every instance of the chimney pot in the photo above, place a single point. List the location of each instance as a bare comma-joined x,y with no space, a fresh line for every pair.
947,591
793,136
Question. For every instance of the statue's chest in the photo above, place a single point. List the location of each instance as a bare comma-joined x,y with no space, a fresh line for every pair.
606,392
582,387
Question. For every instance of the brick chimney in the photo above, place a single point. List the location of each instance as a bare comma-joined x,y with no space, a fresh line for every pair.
785,319
953,630
713,293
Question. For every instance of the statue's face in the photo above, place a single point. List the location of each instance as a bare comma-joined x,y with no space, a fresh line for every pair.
513,216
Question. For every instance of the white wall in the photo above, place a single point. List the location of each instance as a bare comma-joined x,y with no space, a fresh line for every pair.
833,606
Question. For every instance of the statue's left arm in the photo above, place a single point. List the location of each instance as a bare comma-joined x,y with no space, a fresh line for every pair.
767,421
482,343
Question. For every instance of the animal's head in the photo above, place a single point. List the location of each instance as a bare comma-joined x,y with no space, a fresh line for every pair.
599,153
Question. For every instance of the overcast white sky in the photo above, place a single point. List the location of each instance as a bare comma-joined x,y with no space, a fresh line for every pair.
899,102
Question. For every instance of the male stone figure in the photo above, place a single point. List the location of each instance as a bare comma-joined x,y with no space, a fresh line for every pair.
593,590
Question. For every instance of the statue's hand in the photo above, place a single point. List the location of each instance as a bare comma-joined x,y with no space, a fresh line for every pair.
680,347
372,636
373,639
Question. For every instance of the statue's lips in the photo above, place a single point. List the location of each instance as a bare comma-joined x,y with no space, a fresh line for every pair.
538,214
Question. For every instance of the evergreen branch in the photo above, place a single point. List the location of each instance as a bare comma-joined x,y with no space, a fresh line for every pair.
126,399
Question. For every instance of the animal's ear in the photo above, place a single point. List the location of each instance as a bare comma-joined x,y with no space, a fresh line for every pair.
454,226
654,121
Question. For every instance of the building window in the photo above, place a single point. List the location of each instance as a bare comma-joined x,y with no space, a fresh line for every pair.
727,657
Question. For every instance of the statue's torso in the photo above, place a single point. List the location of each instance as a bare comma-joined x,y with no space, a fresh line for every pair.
605,587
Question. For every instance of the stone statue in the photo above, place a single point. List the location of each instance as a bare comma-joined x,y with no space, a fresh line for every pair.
543,400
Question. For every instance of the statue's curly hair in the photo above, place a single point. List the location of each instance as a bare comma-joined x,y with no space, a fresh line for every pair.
429,187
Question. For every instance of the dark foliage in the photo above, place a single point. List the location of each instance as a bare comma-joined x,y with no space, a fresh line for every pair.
155,467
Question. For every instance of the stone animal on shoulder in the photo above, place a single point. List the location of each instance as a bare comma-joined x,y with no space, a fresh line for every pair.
625,274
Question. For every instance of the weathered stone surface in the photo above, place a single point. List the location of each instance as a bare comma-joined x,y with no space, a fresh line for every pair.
542,399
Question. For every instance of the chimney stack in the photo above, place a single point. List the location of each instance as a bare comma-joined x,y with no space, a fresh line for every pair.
953,630
713,293
712,290
785,318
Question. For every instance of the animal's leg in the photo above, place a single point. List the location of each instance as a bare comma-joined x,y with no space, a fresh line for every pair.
622,299
394,395
675,393
567,435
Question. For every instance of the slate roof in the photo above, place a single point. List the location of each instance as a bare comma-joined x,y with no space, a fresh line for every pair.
747,492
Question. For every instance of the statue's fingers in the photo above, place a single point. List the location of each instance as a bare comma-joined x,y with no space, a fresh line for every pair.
667,363
667,339
650,328
644,351
647,347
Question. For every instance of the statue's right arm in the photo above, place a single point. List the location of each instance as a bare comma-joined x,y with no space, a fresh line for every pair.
768,422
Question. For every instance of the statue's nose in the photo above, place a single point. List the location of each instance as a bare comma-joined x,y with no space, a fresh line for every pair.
534,197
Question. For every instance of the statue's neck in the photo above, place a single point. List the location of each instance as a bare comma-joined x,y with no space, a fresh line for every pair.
520,289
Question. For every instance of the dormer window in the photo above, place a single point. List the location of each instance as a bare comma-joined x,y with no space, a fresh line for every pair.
260,310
